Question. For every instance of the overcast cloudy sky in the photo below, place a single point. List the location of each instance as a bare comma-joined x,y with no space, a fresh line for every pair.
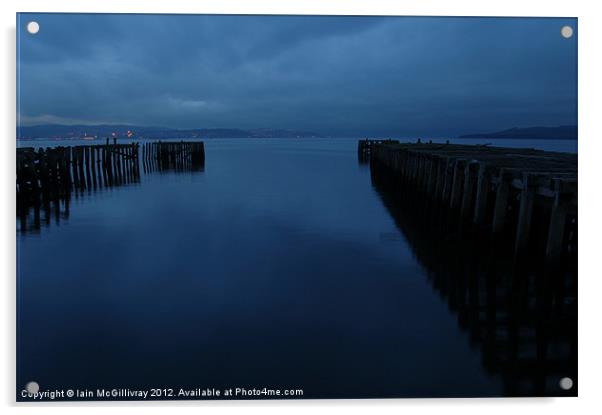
332,75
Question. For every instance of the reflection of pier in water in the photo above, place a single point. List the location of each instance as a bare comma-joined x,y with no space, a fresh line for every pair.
523,316
48,179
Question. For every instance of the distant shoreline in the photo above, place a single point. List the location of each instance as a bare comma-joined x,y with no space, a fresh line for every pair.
477,137
50,131
563,132
408,139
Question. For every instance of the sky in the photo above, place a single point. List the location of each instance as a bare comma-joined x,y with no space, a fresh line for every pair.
333,75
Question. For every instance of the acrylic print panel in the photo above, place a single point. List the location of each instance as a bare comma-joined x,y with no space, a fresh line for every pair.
295,207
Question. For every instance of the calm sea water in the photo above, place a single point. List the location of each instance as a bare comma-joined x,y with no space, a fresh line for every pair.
278,266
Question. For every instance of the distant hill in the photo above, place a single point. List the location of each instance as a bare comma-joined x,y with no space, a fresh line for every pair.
563,132
101,131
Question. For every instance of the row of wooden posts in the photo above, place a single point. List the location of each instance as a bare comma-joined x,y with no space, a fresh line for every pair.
54,172
49,176
523,319
179,156
497,189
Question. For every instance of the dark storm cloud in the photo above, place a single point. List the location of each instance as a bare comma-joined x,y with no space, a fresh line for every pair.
335,75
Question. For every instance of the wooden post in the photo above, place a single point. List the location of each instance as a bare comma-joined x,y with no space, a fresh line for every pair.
74,164
429,176
93,164
416,172
86,150
137,161
501,201
470,180
98,165
422,169
80,165
68,166
442,166
103,166
109,164
124,162
558,215
144,157
457,184
435,179
117,164
403,163
483,186
125,159
525,212
448,179
563,190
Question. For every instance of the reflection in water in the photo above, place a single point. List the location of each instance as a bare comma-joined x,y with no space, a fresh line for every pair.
48,179
523,316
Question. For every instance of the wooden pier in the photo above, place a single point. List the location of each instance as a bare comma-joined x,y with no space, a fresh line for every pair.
178,156
523,319
47,178
54,172
526,194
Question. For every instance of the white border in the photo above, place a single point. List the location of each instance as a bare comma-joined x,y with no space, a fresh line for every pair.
590,151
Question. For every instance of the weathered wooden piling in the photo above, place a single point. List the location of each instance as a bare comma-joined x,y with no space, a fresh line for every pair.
176,155
51,175
529,340
498,190
48,176
482,194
